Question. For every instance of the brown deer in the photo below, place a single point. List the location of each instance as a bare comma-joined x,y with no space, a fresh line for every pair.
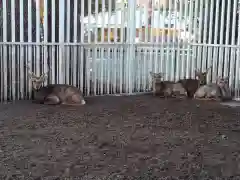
214,91
192,85
54,94
166,88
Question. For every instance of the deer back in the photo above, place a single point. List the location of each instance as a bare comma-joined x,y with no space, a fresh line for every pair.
63,91
209,90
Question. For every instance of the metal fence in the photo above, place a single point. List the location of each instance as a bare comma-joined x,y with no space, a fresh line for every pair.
108,47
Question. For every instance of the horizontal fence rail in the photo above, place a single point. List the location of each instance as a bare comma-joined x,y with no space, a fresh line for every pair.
110,47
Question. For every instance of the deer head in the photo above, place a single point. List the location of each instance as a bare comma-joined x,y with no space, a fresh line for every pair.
202,76
37,81
222,81
156,77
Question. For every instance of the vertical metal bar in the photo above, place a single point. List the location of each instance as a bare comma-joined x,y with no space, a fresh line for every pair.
168,49
109,56
22,81
1,66
221,49
195,31
227,39
210,33
156,61
215,52
138,58
139,70
180,63
87,72
54,49
152,34
61,41
13,50
233,50
102,49
45,36
122,50
205,30
237,69
95,64
30,47
190,64
115,50
144,50
37,55
200,33
5,63
131,40
75,33
185,63
174,42
190,60
67,59
163,40
82,49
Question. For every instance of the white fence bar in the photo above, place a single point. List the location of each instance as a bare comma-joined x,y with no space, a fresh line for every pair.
5,94
37,54
233,51
46,61
67,49
13,52
131,49
21,59
210,33
61,63
81,49
75,39
215,52
53,49
237,70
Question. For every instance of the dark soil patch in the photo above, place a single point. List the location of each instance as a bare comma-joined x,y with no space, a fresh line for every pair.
120,138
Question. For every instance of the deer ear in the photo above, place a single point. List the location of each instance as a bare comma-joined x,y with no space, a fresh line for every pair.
208,69
44,77
226,79
151,74
31,76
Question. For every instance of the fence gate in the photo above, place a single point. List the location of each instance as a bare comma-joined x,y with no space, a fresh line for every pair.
110,47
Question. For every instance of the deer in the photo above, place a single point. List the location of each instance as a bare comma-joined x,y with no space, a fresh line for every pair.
54,94
218,91
225,90
166,88
191,85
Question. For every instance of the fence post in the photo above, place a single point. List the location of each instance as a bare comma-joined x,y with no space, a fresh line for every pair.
61,62
131,36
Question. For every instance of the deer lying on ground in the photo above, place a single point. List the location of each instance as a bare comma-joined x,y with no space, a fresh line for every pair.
191,85
166,88
54,94
214,91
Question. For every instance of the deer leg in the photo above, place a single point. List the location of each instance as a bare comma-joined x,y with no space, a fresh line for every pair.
209,98
74,100
203,98
219,99
52,100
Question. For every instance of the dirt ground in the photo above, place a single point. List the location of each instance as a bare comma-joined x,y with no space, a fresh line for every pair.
134,137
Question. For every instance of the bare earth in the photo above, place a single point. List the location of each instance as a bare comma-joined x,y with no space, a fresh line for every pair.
134,137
